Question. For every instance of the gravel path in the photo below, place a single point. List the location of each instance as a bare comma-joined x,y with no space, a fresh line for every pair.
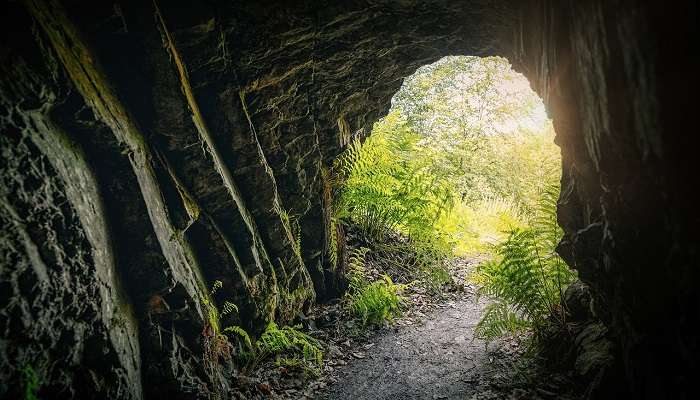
436,359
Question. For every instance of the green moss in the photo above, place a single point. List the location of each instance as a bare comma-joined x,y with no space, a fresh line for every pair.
30,382
291,303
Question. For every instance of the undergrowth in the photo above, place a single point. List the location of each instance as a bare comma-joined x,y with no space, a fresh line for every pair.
290,347
371,302
527,278
387,188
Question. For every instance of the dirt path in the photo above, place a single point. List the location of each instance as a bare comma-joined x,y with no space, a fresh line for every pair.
435,359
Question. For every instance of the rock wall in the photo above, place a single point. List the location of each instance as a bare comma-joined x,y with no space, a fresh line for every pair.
151,149
618,78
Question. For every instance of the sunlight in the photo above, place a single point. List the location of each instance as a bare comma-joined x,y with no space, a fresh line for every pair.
477,124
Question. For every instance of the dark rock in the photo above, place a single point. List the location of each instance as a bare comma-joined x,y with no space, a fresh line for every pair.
577,300
595,350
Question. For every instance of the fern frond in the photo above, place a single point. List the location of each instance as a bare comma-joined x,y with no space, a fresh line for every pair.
276,340
528,277
497,320
240,332
229,308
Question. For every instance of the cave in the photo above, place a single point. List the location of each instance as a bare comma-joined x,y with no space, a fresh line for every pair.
150,149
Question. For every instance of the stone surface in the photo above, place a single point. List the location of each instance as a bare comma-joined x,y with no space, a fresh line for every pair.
578,302
150,149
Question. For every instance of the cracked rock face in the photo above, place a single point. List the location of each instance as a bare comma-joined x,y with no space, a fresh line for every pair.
150,149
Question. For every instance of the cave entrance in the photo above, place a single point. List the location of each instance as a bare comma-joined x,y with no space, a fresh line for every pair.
482,128
457,187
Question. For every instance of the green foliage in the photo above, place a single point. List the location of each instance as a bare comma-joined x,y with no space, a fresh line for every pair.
460,165
499,319
458,161
239,332
292,348
527,278
389,186
372,302
210,307
331,183
229,308
356,269
30,382
218,342
290,342
483,123
333,241
377,302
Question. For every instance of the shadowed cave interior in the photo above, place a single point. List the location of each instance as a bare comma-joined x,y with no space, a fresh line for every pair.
151,149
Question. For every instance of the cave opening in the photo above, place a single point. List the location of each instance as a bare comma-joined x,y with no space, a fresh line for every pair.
480,138
456,187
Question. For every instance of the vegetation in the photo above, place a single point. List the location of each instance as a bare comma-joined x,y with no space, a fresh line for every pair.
527,277
291,347
389,186
30,383
218,341
463,165
372,302
459,161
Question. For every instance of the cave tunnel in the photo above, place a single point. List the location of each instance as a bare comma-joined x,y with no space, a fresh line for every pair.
150,149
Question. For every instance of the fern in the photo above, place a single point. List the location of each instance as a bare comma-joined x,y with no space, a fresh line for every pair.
240,332
528,277
356,269
387,188
288,340
372,302
217,341
229,308
499,319
333,242
377,302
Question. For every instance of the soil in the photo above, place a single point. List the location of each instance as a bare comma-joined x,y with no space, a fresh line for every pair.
428,353
434,355
436,359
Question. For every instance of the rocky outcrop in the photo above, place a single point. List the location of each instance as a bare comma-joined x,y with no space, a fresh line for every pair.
152,148
617,79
